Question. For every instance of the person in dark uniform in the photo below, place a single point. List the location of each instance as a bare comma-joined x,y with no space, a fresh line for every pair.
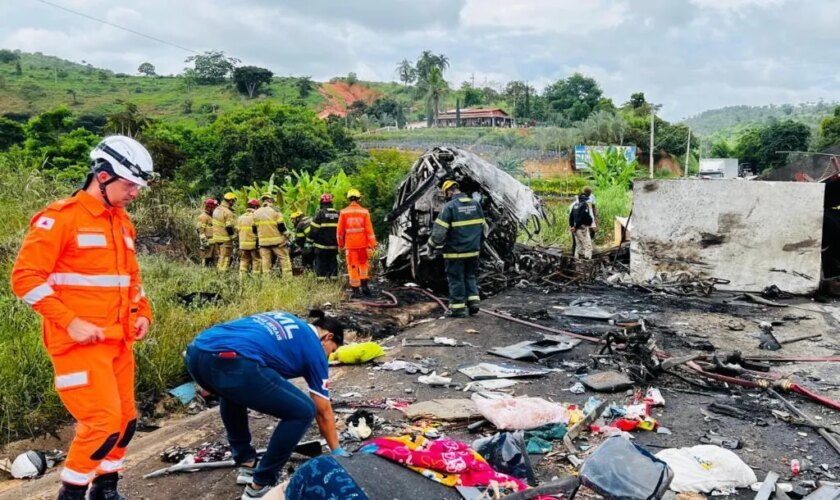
323,238
302,226
458,232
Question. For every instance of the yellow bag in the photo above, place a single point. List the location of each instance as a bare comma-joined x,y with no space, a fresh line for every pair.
352,354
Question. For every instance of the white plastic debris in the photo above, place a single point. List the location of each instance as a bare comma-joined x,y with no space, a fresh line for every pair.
29,464
654,397
706,468
489,385
360,431
434,379
446,341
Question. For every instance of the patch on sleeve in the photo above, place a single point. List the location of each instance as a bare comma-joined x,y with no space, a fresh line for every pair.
44,222
71,380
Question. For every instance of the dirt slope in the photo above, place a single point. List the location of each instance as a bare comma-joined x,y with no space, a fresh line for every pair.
340,95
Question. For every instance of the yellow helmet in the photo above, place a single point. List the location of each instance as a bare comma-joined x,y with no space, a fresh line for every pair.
447,185
297,214
353,193
230,196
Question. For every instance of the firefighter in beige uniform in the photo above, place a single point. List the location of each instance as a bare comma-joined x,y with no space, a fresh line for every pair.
224,230
204,227
271,233
248,256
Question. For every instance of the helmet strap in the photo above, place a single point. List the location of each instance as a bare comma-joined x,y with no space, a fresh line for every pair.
103,185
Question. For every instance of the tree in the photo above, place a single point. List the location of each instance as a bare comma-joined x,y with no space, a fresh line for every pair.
73,95
212,66
357,108
575,97
518,94
130,121
406,72
351,79
8,56
471,95
637,100
786,135
147,69
18,68
748,147
721,149
604,128
830,130
11,133
304,86
427,61
249,79
436,87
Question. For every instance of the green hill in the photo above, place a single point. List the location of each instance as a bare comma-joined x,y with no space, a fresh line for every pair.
47,82
728,122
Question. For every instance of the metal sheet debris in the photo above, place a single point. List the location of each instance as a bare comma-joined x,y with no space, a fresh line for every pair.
533,349
731,230
483,371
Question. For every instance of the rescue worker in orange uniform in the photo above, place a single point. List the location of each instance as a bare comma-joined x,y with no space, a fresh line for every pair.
204,226
249,259
355,236
78,269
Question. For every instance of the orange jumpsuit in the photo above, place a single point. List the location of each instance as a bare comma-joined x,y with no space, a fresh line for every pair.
78,261
355,235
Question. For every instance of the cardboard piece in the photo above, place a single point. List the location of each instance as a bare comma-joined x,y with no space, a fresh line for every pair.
484,371
609,381
443,409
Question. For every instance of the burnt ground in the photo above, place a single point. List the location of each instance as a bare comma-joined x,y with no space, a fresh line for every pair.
680,325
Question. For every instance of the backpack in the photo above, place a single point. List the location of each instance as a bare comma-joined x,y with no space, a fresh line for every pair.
581,214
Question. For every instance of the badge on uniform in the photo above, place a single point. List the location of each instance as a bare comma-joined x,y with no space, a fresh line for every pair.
45,222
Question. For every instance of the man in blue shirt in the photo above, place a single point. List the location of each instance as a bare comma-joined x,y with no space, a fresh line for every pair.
247,362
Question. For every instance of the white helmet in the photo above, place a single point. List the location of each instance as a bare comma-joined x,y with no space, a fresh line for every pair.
127,158
29,464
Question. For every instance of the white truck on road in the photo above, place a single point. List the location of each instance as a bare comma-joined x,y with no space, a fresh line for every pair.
718,168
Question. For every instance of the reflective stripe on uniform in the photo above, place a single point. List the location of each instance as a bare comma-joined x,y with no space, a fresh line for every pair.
71,380
325,247
219,223
354,230
329,224
77,478
442,223
473,298
111,465
266,242
267,222
470,222
457,306
464,255
91,241
100,280
36,294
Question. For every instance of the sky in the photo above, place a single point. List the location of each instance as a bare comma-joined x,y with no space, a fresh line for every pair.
687,55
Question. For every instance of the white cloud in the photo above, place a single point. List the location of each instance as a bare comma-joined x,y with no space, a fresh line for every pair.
557,16
737,5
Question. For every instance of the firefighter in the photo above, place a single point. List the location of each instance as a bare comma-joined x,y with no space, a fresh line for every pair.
248,256
224,230
302,227
77,268
458,231
204,226
271,233
322,237
355,236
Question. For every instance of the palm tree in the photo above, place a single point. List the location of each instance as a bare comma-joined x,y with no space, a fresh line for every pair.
436,87
406,72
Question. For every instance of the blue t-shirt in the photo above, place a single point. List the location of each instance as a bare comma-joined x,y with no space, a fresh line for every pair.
278,340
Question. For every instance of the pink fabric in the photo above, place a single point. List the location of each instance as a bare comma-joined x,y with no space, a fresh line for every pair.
443,459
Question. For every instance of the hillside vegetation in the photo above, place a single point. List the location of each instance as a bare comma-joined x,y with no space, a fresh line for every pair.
730,122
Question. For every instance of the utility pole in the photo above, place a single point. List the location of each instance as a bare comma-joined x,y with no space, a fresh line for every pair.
472,80
687,152
652,116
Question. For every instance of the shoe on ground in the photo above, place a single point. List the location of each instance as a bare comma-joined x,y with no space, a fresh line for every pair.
244,475
473,310
355,293
366,291
105,488
71,493
459,313
254,493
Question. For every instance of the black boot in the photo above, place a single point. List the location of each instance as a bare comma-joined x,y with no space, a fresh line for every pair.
72,492
473,309
355,293
104,487
366,288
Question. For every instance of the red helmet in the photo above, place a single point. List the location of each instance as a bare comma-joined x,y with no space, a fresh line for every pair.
210,202
253,202
326,198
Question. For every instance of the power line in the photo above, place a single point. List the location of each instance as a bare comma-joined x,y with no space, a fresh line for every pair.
45,2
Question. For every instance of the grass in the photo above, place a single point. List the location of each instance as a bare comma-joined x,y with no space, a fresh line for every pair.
28,404
46,82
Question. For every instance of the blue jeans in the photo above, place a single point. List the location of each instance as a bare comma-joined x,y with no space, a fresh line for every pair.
241,384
